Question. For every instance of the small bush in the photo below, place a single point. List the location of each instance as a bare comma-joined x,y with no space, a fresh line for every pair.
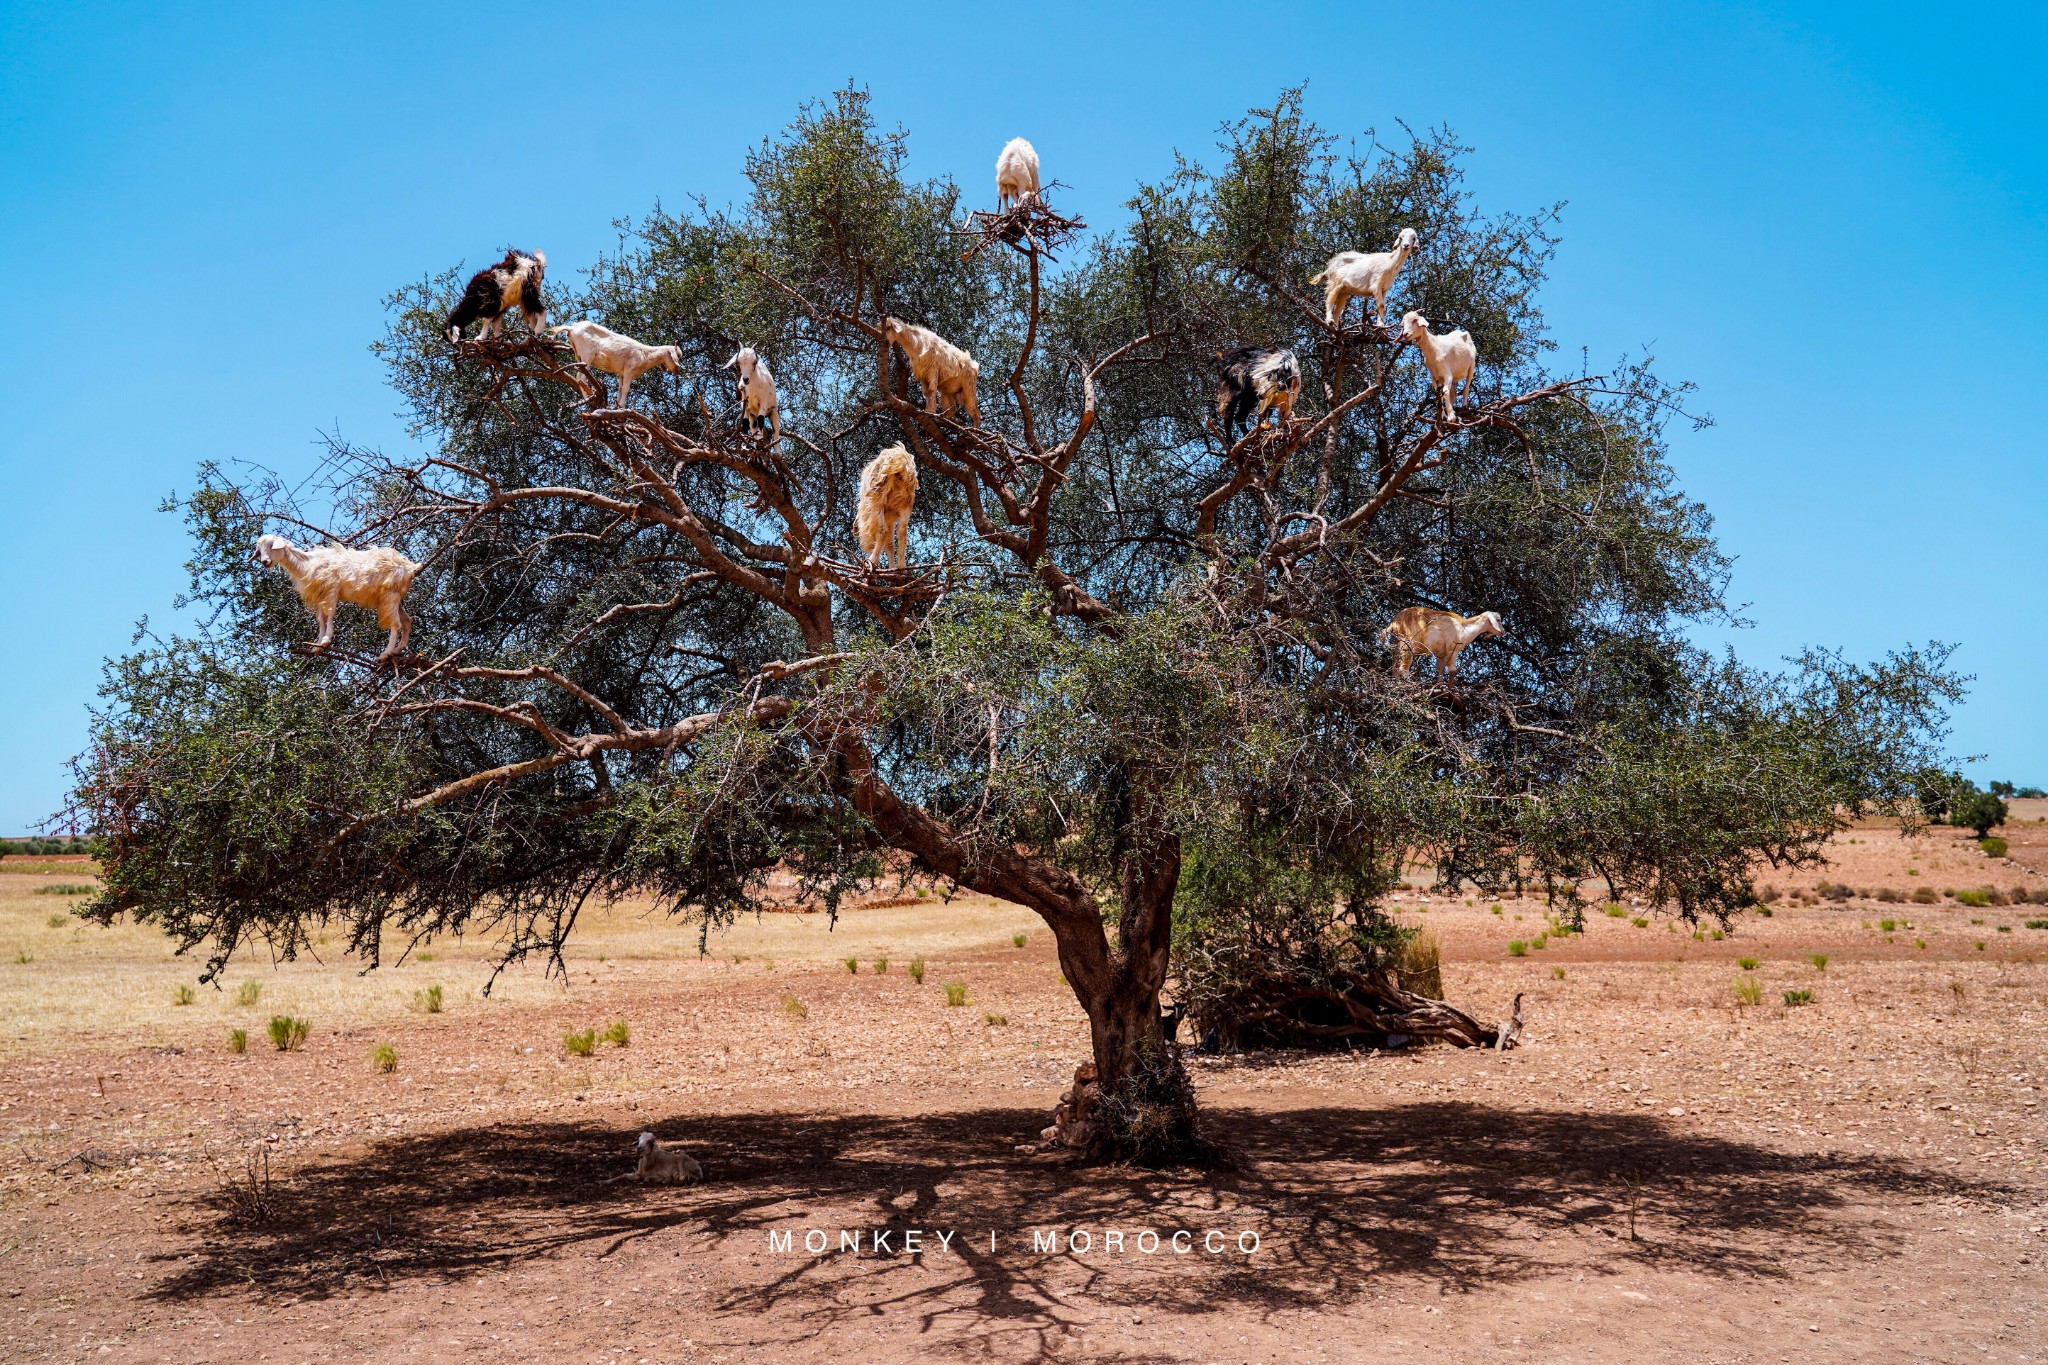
183,996
1557,973
2037,924
1890,897
2005,928
917,970
1493,909
1975,899
1614,911
384,1058
1017,940
1819,961
1799,997
1748,991
427,1000
423,957
580,1044
995,1020
956,993
1641,921
248,993
57,921
1421,967
793,1007
288,1034
1717,935
23,958
1980,947
238,1040
881,966
1888,925
853,966
1540,941
1748,964
1919,943
1764,910
618,1033
75,889
1925,895
1517,948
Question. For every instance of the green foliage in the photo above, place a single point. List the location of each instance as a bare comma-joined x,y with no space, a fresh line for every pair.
1557,973
1975,899
1819,961
248,993
1421,965
1018,940
1748,964
1799,997
1641,921
1888,925
580,1043
288,1034
384,1058
618,1033
793,1007
1748,991
995,1020
238,1040
66,889
881,966
69,845
1517,948
2037,924
917,970
1993,846
1614,911
183,995
853,966
956,993
427,1000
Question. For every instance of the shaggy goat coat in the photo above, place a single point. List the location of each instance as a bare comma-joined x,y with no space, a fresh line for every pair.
756,390
1359,274
1255,378
514,282
1016,173
601,348
946,373
328,575
659,1165
1442,635
888,490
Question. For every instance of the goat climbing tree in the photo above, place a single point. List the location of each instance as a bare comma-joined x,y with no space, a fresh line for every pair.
1130,679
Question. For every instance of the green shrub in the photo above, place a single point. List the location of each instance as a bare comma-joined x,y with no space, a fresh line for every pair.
1641,921
917,970
2005,928
288,1034
1540,941
995,1020
1421,966
23,958
56,921
1748,991
1493,909
853,966
2037,924
1919,943
1888,925
427,1000
1017,940
1517,948
1717,935
1799,997
248,993
1748,964
238,1040
1819,961
580,1044
793,1007
65,889
1557,973
618,1033
1614,911
881,966
384,1058
183,996
1764,910
1925,895
1975,899
956,992
423,958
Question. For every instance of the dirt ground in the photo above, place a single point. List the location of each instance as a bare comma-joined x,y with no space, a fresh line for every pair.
1661,1173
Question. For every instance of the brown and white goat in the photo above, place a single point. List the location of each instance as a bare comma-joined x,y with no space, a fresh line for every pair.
946,373
1442,635
1255,381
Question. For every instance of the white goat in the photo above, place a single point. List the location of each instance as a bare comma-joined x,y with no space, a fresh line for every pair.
659,1165
1450,357
946,373
1016,173
757,390
1362,275
329,575
888,491
1442,635
601,348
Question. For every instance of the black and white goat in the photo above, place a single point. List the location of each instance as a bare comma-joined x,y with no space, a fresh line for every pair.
494,291
1255,381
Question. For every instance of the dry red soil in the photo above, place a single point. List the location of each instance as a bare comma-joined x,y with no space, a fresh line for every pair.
1660,1174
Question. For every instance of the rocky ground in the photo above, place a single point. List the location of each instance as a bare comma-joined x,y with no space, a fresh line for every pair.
1662,1172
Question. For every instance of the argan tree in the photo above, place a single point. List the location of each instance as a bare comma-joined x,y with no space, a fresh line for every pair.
1132,675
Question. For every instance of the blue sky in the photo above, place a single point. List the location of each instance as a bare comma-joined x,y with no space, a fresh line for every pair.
1833,218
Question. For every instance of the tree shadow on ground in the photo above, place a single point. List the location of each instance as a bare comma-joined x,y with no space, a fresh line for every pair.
1344,1200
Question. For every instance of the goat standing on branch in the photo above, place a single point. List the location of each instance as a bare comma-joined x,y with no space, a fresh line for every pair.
1016,173
1256,378
756,391
1442,635
600,348
888,491
1358,274
514,282
946,373
1450,357
329,575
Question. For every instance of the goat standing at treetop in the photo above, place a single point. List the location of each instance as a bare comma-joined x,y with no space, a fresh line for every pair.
329,575
1442,635
1357,274
888,490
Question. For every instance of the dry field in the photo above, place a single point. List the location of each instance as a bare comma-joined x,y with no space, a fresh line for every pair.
1663,1173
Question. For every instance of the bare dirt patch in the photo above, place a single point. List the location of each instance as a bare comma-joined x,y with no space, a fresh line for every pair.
1660,1173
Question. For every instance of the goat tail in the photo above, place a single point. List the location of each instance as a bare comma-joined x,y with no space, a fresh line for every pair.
1319,277
1387,633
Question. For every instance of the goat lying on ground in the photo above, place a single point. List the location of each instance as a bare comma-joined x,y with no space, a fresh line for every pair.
888,490
661,1165
946,373
1442,635
1358,274
329,575
1255,378
495,290
600,348
1450,358
1016,173
757,391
